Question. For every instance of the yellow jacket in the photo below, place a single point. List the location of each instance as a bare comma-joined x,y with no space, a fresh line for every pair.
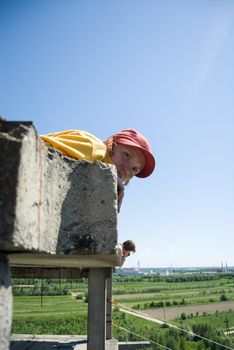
78,144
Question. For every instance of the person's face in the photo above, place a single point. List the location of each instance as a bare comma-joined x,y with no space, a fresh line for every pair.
126,253
128,160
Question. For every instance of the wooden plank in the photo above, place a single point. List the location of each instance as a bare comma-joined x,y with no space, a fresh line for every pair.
62,260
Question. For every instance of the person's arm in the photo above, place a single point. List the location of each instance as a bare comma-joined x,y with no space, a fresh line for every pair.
120,256
120,190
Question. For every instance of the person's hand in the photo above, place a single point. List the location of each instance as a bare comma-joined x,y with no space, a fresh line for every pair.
120,189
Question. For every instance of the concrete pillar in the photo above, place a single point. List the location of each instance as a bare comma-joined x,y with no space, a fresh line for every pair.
109,305
5,302
97,309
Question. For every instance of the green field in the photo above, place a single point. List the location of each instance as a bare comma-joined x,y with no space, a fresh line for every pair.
67,314
57,315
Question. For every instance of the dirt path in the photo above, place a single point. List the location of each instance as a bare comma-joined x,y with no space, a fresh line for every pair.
148,295
170,313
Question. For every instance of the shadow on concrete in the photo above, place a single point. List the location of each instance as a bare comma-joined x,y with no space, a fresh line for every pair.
45,345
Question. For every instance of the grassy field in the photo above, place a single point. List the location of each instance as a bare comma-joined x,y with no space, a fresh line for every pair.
67,314
57,315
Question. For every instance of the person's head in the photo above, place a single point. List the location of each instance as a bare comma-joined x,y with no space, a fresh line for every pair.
131,153
128,247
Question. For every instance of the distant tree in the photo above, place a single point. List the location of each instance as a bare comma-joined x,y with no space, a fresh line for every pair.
223,297
172,343
182,344
201,346
206,330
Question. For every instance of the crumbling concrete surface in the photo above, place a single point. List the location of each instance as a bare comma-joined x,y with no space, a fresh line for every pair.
51,203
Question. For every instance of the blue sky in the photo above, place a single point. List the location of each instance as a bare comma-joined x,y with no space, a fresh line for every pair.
162,67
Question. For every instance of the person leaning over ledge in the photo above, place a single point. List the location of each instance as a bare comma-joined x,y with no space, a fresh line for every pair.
128,150
124,250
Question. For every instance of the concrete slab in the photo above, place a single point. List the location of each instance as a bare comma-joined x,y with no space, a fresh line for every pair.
54,342
51,203
47,342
